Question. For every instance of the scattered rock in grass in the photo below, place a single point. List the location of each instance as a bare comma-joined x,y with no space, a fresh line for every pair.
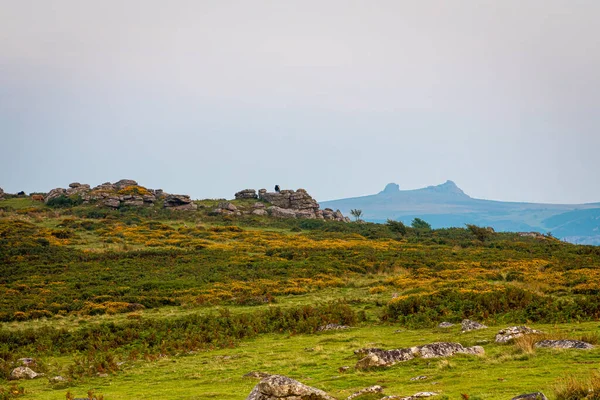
513,332
309,349
385,358
419,378
343,369
102,375
367,350
332,327
275,387
257,375
413,397
445,325
57,379
468,325
531,396
399,330
24,373
564,344
370,389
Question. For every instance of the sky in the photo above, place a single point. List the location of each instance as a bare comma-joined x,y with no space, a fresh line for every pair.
338,97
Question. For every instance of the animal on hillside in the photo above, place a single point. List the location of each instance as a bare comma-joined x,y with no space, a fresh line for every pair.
277,188
37,197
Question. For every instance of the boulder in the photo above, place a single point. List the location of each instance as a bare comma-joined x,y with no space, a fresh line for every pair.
259,211
279,212
246,194
123,183
256,375
332,327
225,205
468,325
277,387
112,202
531,396
413,397
385,358
507,334
74,185
419,378
23,373
445,325
370,389
258,205
136,201
305,214
564,344
54,193
57,379
179,202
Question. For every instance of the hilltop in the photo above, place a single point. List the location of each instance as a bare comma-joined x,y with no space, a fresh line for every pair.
446,205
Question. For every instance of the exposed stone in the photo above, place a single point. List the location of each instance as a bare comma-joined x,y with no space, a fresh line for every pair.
54,193
279,212
246,194
113,202
419,378
343,369
306,214
123,183
445,325
468,325
413,397
379,358
133,201
332,327
179,202
531,396
27,361
258,205
23,373
258,211
564,344
513,332
276,387
57,379
74,184
370,389
225,205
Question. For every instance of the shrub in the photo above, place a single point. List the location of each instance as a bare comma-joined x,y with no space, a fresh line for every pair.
63,201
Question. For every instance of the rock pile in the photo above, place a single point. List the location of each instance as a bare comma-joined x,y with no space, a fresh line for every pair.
297,204
386,358
246,194
125,192
468,325
513,332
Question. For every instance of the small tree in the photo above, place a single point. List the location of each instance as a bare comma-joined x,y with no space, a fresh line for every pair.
396,226
356,213
480,232
418,223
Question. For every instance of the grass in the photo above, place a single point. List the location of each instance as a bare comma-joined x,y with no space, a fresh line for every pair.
79,269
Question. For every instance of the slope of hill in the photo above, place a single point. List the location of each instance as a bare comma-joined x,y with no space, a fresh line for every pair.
446,205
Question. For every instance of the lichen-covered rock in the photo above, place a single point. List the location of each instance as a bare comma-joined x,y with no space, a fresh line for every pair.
507,334
370,389
54,193
225,205
246,194
112,202
179,202
332,327
24,373
259,211
279,212
123,183
468,325
445,325
564,344
531,396
415,396
278,387
385,358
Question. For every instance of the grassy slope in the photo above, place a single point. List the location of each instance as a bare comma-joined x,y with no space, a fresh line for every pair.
266,256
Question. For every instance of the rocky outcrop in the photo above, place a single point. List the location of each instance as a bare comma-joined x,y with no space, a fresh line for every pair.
293,204
179,202
246,194
386,358
278,387
370,389
507,334
279,212
24,373
468,325
564,344
531,396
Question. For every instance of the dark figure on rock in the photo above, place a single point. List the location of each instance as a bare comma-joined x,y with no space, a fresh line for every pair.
277,188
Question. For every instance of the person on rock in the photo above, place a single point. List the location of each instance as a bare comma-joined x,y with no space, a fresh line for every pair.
277,188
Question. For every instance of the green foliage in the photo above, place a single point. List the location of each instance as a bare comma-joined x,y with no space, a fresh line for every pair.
480,233
418,223
396,226
63,201
356,213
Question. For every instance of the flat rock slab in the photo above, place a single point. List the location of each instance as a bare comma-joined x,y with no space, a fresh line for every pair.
507,334
370,389
413,397
564,344
332,327
468,325
386,358
276,387
531,396
445,325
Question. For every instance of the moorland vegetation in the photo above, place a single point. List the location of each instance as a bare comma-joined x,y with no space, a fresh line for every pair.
113,298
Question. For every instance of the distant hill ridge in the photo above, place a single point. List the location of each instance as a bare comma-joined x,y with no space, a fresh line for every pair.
446,205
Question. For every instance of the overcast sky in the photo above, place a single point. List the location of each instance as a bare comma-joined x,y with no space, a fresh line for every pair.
337,97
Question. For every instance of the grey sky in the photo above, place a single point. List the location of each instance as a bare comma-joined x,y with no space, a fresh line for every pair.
338,97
